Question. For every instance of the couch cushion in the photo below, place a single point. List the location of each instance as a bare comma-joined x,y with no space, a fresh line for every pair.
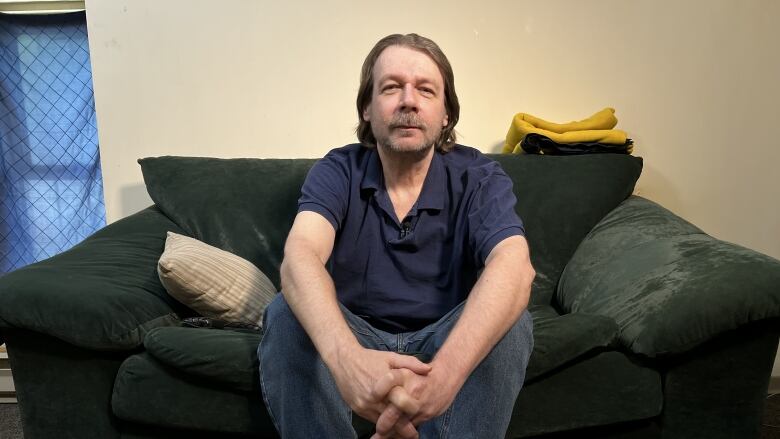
668,285
221,356
603,388
561,339
213,282
560,198
230,357
244,206
148,392
101,294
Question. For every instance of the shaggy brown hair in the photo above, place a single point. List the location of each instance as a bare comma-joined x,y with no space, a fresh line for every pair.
413,41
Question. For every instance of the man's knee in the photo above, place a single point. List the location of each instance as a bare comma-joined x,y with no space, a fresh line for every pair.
514,349
281,329
278,313
523,329
283,336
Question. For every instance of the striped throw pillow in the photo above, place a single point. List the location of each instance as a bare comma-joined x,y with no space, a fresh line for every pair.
213,282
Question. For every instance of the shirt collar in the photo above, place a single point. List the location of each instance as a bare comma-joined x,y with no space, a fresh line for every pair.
372,179
434,187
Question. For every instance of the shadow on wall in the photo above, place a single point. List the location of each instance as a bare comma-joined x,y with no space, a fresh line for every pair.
133,198
654,186
497,147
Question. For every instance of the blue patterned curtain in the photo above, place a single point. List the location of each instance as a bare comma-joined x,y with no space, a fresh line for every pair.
50,179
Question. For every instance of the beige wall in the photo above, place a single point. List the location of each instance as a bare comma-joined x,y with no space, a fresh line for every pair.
695,83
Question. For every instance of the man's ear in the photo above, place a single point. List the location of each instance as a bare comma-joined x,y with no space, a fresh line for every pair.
446,120
366,117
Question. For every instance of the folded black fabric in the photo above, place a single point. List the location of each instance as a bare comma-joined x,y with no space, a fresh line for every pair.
206,322
538,144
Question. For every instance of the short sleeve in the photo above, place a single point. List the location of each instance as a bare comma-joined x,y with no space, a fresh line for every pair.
491,215
326,188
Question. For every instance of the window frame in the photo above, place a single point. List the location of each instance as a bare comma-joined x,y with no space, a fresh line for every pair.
38,7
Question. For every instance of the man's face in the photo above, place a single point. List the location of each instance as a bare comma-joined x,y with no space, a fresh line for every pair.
407,110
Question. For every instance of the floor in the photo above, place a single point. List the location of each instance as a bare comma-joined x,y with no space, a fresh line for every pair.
10,425
771,428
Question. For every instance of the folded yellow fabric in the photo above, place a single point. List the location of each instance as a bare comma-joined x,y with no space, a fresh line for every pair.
596,128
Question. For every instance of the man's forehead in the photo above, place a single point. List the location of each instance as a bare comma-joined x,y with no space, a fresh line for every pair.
401,61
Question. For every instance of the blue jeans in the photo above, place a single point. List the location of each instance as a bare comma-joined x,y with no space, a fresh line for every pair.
303,401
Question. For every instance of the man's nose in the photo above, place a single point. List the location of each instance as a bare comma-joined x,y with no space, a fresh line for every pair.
409,98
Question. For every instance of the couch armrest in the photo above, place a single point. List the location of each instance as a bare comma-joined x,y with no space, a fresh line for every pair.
668,285
102,294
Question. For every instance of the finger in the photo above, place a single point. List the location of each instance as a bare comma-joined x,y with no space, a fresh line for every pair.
399,361
421,417
405,429
387,420
386,382
402,400
369,411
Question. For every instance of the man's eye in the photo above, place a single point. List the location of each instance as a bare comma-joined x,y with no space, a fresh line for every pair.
426,91
390,87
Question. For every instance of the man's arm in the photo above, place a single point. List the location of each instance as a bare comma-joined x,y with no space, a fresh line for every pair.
308,288
495,303
493,306
310,293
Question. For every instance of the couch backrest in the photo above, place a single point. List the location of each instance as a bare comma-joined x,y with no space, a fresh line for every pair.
560,199
246,206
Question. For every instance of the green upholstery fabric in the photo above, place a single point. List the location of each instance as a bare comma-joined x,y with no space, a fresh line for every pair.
225,357
652,273
244,206
560,339
604,388
725,379
63,391
230,357
132,430
560,198
102,294
149,392
642,429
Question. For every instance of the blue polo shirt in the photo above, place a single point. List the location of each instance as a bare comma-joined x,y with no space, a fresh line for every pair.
403,275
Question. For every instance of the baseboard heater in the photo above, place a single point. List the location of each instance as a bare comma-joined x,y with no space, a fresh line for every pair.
7,391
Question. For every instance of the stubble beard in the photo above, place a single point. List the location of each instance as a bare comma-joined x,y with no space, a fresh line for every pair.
394,147
407,119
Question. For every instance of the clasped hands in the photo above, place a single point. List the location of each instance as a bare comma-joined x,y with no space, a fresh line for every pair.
397,392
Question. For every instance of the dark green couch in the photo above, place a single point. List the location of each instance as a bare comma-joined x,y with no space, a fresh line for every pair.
644,325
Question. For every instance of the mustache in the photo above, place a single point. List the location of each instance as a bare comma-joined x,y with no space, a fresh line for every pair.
407,120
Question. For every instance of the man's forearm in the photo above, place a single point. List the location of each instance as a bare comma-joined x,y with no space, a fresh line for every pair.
494,305
310,293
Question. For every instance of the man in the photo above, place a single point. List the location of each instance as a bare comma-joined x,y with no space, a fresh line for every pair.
405,243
